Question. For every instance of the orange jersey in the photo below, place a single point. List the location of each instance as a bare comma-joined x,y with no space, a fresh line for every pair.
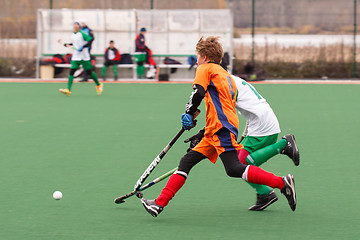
220,98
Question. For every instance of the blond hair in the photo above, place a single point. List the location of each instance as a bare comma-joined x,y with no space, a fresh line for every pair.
211,47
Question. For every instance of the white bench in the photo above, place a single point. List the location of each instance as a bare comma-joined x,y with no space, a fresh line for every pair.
66,65
133,66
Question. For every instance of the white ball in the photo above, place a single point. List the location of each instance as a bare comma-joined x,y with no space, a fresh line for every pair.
57,195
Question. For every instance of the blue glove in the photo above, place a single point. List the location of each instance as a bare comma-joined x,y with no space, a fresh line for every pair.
187,121
80,48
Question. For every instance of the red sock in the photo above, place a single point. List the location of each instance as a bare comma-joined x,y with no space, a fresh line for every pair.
174,184
258,176
242,154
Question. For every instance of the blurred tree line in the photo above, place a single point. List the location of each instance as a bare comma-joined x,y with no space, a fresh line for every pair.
18,18
294,16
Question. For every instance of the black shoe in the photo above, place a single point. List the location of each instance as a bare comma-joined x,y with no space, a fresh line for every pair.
263,201
291,149
289,190
151,207
84,80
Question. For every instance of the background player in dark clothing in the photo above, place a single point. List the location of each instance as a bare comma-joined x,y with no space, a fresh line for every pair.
89,32
112,57
140,46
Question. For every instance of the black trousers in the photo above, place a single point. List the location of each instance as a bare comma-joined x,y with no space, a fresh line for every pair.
111,62
232,164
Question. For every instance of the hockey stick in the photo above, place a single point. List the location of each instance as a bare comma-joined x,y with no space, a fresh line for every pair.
156,161
67,45
138,193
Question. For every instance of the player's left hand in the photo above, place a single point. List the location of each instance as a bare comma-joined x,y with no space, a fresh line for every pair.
80,48
187,121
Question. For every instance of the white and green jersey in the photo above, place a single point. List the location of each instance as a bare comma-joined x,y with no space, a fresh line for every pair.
79,39
261,119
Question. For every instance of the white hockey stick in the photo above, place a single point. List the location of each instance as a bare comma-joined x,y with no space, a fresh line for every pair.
67,45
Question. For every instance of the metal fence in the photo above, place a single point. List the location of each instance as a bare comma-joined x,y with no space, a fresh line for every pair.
168,31
296,31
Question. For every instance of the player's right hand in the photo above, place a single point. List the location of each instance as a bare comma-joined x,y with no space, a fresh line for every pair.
187,121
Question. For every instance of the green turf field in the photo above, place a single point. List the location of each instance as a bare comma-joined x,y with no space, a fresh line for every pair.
94,148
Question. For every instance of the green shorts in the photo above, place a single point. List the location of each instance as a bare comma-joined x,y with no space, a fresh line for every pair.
252,144
87,65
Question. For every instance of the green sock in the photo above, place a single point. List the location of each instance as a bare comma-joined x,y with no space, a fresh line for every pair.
262,155
70,81
93,76
260,189
104,71
115,71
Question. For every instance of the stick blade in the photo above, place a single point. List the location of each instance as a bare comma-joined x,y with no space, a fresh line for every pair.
119,200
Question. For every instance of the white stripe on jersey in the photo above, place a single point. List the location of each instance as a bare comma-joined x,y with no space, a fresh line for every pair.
111,54
190,103
78,41
261,119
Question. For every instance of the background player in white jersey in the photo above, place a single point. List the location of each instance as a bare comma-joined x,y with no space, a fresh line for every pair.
80,56
259,138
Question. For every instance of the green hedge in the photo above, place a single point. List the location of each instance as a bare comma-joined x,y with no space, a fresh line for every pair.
11,67
307,69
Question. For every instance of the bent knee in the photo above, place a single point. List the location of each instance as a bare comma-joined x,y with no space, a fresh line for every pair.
72,71
236,171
